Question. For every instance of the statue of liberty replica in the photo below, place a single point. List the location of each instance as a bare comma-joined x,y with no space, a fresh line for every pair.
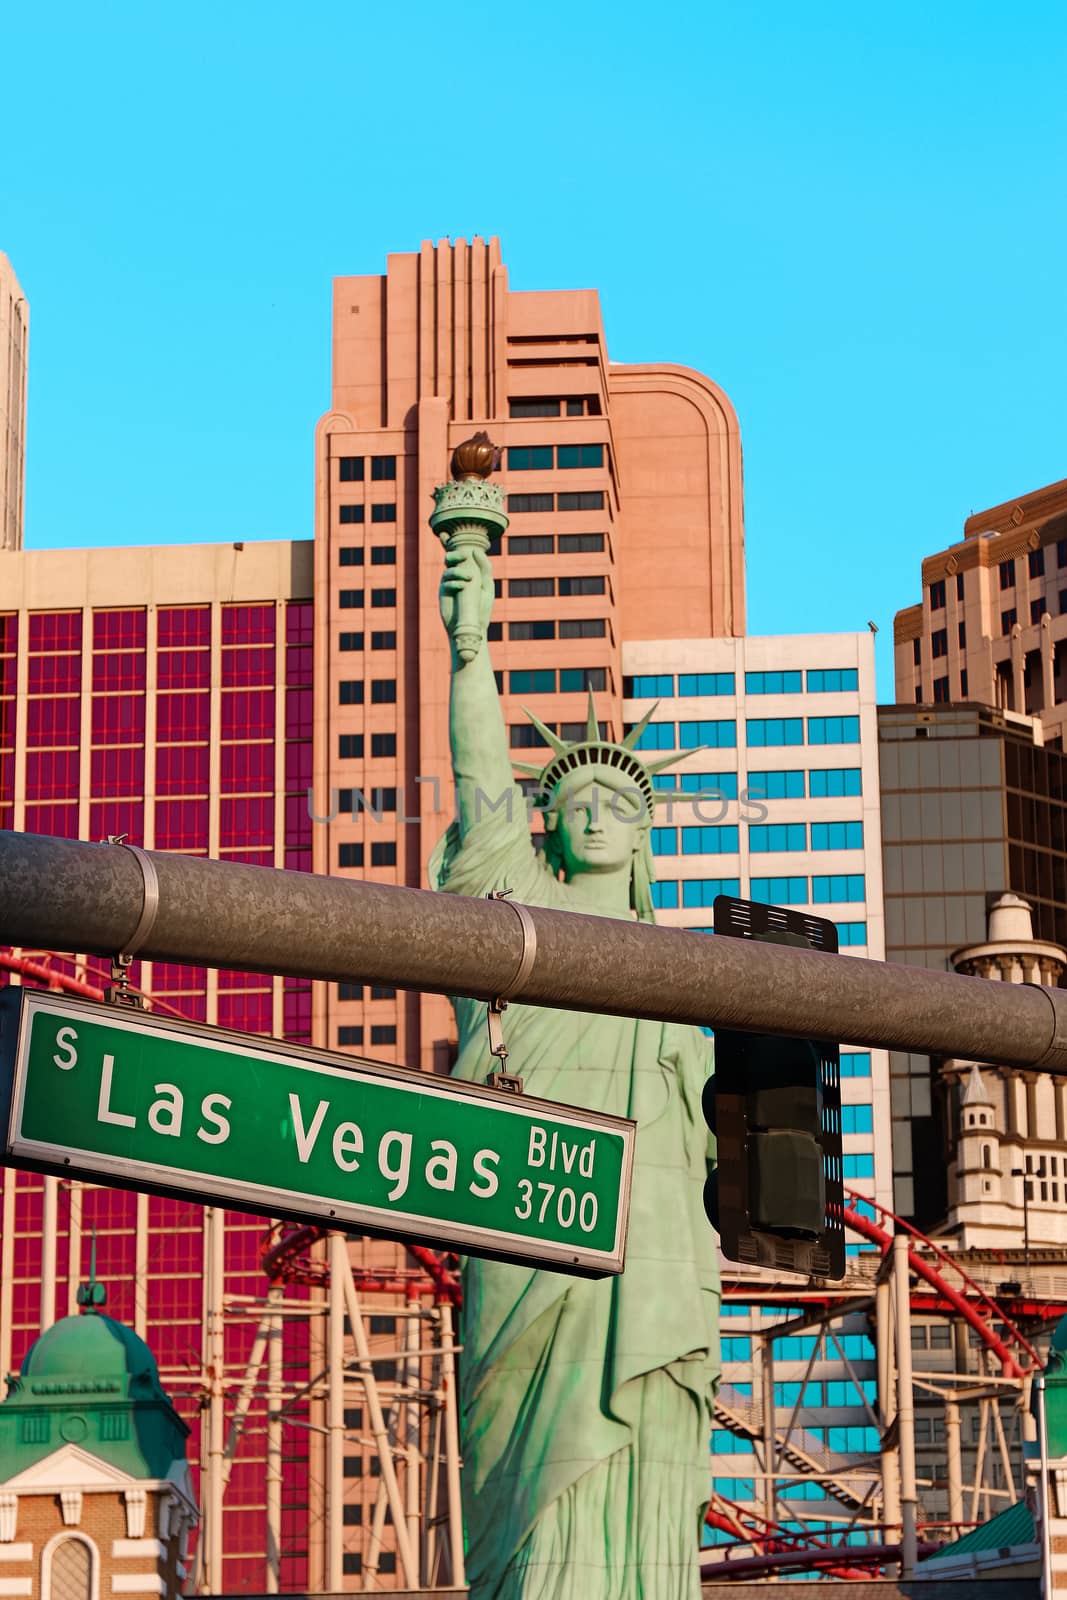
585,1406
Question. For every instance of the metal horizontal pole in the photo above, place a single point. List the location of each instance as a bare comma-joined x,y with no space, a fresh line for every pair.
56,894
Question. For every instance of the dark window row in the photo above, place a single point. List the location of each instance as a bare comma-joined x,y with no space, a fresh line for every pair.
524,736
354,991
584,500
382,691
543,457
381,555
543,544
353,599
534,588
569,406
351,747
542,680
382,854
352,469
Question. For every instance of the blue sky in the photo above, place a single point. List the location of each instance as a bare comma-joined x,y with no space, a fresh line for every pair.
860,212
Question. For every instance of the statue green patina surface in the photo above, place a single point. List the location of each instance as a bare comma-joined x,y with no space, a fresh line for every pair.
585,1406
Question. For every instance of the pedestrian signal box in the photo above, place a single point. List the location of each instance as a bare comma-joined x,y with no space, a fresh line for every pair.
774,1104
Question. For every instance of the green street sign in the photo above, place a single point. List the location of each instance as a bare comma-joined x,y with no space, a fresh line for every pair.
99,1092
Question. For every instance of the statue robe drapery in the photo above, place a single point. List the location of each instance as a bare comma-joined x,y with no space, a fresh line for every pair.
586,1406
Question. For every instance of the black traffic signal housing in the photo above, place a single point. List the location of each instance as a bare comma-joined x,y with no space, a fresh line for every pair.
774,1104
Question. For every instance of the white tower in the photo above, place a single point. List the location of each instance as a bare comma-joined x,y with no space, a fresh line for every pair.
1012,1126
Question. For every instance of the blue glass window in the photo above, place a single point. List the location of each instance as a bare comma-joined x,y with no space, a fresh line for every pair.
710,841
779,891
702,891
530,458
833,680
842,887
795,1347
767,836
833,730
834,783
773,682
540,681
788,1394
857,1166
729,1444
718,735
665,896
711,785
857,1119
664,841
856,1064
648,685
837,836
851,933
776,785
735,1348
733,1489
705,683
776,730
576,455
657,736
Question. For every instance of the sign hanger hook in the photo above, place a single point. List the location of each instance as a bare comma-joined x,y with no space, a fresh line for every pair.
501,1078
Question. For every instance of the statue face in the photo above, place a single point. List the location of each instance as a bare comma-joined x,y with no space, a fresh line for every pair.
599,828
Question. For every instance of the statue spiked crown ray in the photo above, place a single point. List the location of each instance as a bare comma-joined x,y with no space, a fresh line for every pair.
595,753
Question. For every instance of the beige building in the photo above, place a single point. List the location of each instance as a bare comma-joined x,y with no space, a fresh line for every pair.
14,361
992,623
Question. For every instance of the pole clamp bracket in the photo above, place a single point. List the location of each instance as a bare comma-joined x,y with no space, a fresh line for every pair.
119,992
501,1078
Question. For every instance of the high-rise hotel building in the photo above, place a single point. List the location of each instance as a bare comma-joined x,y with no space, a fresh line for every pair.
14,372
286,705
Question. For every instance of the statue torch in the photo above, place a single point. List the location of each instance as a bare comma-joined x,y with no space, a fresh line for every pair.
468,512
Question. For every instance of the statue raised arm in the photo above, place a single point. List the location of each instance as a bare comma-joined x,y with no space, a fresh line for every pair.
586,1407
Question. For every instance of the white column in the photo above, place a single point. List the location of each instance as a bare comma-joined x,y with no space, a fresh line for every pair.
905,1407
49,1243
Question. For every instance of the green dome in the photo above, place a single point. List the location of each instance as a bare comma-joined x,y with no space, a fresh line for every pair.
90,1346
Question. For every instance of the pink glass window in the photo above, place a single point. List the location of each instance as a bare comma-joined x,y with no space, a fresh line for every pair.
296,1008
52,774
298,664
108,817
182,718
7,724
183,669
51,722
119,630
7,777
297,819
250,1013
181,824
59,820
254,666
8,674
118,719
298,711
248,624
9,632
298,859
184,626
247,767
125,670
298,767
299,616
55,630
116,772
170,975
246,822
248,714
55,674
182,769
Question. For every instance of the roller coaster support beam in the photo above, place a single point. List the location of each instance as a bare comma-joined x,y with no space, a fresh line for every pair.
57,894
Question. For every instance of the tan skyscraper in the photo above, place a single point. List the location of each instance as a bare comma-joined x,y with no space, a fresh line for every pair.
14,360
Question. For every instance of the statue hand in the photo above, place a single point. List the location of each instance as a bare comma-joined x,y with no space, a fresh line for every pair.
466,591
